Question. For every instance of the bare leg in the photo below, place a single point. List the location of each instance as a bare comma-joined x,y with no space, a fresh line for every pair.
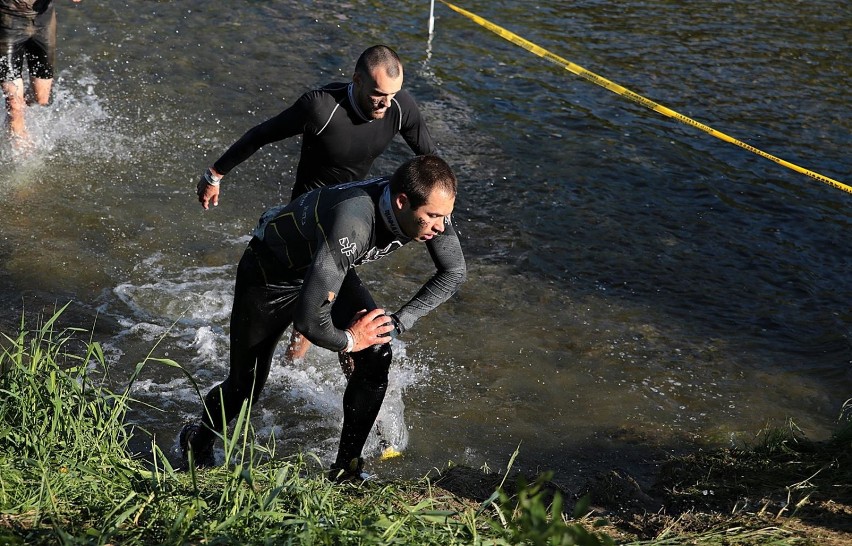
15,107
298,347
41,90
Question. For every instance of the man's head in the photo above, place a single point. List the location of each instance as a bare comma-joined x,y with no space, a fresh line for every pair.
377,78
423,193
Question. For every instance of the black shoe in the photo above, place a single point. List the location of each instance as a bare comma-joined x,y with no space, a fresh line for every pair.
202,454
351,473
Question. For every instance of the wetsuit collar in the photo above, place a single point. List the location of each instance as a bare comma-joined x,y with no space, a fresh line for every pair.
386,210
354,104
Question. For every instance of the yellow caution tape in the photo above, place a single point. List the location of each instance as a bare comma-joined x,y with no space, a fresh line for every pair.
635,97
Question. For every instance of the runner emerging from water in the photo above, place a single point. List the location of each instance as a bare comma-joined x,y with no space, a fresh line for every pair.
27,33
299,268
344,128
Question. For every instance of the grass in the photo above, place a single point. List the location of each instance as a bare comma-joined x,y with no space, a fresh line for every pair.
67,477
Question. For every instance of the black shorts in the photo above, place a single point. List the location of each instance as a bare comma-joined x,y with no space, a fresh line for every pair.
30,38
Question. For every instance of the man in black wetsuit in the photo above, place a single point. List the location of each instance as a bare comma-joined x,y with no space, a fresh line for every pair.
27,32
300,268
344,128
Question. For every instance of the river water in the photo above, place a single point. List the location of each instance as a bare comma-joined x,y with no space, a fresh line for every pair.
636,286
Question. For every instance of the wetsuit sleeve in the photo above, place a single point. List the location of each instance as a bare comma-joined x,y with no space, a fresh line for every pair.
343,235
413,128
288,123
446,252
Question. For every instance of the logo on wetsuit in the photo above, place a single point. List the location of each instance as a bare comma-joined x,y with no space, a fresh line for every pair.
347,248
377,253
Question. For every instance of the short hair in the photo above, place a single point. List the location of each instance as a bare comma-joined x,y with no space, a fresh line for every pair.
379,56
421,175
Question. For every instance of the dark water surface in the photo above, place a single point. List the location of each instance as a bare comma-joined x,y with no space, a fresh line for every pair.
635,285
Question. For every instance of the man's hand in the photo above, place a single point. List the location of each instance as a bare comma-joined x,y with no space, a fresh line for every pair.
208,189
370,328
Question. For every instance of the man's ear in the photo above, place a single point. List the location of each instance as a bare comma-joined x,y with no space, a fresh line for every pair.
356,78
401,200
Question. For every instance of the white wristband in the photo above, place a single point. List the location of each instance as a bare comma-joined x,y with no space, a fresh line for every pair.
350,341
211,178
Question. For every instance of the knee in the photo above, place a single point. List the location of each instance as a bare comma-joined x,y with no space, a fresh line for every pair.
15,104
373,363
42,90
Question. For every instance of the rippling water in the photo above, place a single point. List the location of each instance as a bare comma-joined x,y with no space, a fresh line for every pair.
636,286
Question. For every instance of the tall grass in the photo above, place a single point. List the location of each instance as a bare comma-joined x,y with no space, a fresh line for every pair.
55,424
66,476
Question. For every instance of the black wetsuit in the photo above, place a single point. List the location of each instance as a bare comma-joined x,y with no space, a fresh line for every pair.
300,267
339,144
27,32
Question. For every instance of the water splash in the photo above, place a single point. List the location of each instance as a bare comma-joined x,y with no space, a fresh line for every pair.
186,313
75,128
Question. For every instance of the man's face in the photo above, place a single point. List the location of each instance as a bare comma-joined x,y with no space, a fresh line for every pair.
427,221
373,92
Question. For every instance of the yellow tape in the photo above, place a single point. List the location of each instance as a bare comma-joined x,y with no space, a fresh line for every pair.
635,97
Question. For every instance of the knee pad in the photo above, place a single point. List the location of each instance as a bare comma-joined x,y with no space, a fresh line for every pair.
373,363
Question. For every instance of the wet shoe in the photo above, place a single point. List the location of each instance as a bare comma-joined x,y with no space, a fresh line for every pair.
352,473
202,455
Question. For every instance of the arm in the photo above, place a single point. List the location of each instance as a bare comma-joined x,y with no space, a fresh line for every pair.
340,242
413,128
288,123
446,252
312,317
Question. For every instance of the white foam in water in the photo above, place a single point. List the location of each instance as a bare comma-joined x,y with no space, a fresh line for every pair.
302,402
315,386
185,303
75,124
190,311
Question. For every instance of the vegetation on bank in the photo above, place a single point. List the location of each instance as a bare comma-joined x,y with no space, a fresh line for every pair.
67,477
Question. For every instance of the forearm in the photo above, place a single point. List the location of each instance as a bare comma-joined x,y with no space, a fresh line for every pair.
320,292
320,331
435,292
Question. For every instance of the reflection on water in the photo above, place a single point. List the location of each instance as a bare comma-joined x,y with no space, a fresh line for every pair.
633,285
